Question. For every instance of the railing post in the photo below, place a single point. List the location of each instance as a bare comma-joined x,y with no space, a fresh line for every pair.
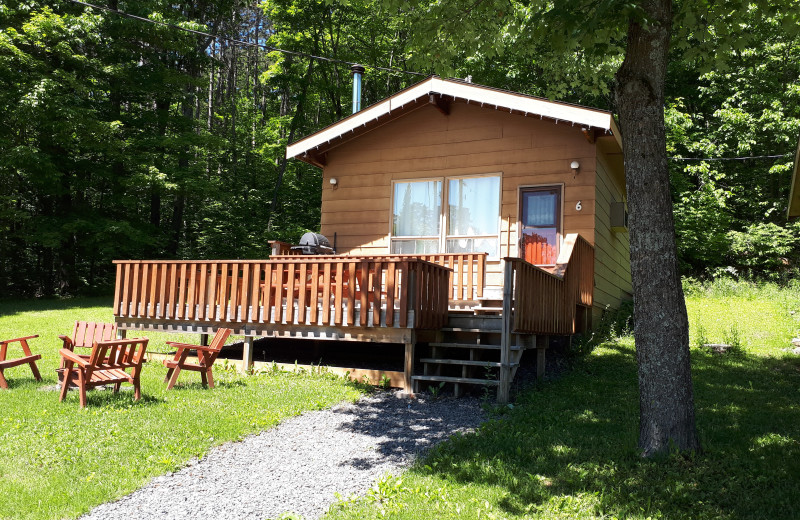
542,342
505,337
412,294
408,366
247,353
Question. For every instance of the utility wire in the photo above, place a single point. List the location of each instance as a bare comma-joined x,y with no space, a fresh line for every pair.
729,158
242,42
344,62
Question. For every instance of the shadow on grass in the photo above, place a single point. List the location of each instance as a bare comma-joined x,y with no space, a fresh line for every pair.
105,398
12,307
19,381
577,438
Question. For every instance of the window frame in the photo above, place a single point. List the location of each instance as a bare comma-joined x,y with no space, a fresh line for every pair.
392,236
559,214
445,213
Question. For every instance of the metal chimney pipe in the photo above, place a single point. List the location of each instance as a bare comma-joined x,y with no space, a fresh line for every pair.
357,71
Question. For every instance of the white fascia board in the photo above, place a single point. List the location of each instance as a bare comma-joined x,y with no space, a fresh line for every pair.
358,119
490,97
521,103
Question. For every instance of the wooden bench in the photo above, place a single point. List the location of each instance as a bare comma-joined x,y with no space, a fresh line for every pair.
106,365
205,359
28,358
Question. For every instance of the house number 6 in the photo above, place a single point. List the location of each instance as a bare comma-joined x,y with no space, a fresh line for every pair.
578,206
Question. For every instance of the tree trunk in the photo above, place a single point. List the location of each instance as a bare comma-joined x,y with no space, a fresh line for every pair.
661,331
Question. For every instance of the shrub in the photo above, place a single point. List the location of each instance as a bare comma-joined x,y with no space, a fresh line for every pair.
767,250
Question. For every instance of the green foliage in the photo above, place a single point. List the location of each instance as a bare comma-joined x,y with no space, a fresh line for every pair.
436,390
613,323
120,139
735,101
767,250
760,317
385,382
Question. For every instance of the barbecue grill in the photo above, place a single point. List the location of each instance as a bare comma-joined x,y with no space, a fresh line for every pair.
314,244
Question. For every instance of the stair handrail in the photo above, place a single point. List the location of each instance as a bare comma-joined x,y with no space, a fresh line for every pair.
544,301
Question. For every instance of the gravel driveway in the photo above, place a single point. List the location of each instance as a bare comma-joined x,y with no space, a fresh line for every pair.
299,465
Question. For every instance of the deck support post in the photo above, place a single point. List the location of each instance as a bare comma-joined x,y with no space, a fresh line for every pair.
541,347
247,354
408,370
504,388
121,333
204,340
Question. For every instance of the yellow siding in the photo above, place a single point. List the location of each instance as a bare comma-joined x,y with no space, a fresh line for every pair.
612,248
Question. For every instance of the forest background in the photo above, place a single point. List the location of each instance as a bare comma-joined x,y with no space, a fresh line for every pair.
126,139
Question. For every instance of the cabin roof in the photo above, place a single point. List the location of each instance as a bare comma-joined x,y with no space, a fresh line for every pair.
439,92
794,187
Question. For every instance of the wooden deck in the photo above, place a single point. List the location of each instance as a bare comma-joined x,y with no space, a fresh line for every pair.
384,298
256,296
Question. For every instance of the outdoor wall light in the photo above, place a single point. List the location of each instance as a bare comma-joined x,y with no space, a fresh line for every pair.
575,165
333,181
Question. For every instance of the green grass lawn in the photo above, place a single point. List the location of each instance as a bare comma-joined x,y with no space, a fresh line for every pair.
567,449
57,461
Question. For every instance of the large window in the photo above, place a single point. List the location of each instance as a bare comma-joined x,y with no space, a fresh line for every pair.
465,219
416,219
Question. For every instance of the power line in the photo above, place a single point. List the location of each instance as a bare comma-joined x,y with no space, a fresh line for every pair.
729,158
242,42
351,63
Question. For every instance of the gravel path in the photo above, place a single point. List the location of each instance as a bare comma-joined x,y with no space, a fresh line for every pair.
299,465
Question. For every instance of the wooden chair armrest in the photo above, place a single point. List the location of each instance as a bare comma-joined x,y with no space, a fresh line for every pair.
204,349
177,344
18,339
68,343
70,355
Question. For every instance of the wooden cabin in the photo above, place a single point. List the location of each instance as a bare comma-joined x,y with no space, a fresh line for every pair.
470,224
793,210
452,167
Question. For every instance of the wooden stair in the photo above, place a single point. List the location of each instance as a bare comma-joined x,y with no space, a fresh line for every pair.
458,380
469,352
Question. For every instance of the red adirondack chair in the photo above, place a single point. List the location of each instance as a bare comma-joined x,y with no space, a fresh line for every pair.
28,358
84,334
106,365
205,359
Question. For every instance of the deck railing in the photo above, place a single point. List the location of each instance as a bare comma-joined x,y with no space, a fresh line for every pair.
467,278
540,301
545,301
340,291
280,248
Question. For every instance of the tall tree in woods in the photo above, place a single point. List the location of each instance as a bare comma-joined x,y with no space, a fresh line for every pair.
666,398
316,93
123,138
97,138
635,38
730,214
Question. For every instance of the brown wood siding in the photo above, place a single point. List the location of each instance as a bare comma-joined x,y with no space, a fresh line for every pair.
612,272
471,140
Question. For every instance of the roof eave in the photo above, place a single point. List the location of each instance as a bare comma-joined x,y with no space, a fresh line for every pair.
472,93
